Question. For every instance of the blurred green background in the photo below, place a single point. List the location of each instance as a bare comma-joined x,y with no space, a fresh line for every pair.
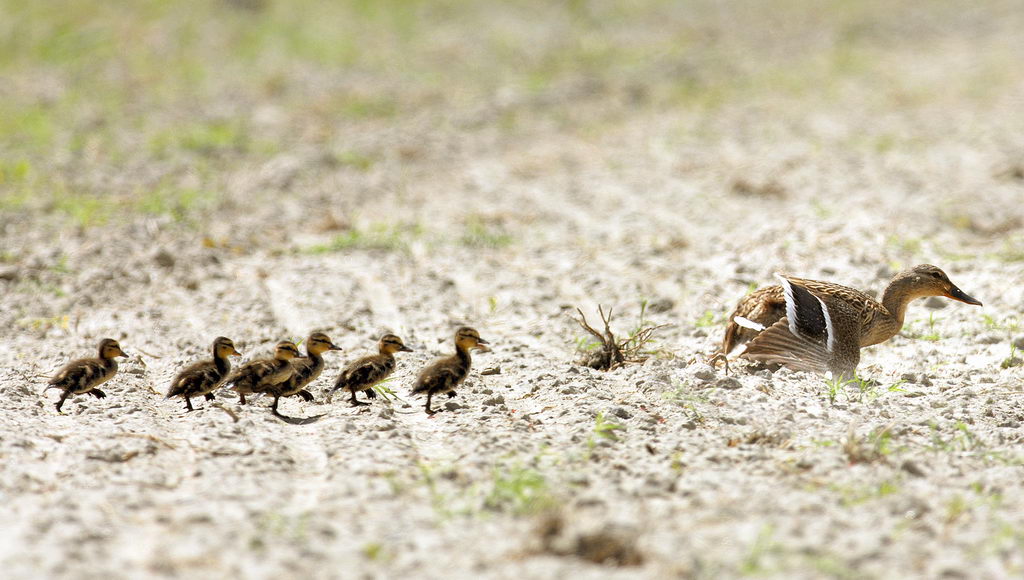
110,110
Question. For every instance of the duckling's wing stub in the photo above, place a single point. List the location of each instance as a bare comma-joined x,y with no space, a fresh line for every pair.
78,374
194,379
439,378
367,372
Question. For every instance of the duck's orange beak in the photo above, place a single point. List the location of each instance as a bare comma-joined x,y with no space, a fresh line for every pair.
959,295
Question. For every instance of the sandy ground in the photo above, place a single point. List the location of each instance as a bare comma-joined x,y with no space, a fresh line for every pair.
547,468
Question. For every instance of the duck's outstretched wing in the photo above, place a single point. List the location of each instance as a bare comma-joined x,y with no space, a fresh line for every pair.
815,335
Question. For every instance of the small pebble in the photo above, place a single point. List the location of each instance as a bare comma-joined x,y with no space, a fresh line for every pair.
164,259
498,400
728,383
913,468
9,273
704,373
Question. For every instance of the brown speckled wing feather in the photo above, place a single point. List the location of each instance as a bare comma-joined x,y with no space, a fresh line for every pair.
777,345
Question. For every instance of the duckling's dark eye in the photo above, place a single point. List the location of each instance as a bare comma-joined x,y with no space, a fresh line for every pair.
936,275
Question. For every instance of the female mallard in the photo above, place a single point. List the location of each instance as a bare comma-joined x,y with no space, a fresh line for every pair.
817,326
306,370
84,375
444,374
362,374
255,376
202,378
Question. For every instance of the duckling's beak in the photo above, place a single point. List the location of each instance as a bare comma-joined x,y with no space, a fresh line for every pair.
234,352
481,345
334,347
959,295
405,349
482,341
123,353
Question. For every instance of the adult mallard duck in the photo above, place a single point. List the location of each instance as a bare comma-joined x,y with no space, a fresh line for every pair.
306,370
202,378
365,372
444,374
821,326
256,376
82,376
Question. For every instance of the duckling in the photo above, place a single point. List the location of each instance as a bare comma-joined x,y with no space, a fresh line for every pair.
202,378
82,376
816,326
307,369
255,376
444,374
362,374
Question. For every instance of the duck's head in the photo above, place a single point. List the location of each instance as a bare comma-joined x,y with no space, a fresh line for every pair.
467,338
286,350
110,349
223,347
390,344
927,280
319,343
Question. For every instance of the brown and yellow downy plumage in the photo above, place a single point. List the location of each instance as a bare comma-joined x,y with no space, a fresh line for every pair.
256,376
202,378
821,326
82,376
362,374
306,370
444,374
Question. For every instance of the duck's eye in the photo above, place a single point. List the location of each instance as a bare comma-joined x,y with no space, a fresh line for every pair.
936,275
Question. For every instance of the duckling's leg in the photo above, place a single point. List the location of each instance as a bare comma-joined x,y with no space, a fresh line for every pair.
356,403
188,404
98,394
371,394
63,397
241,398
429,410
273,407
451,394
210,397
306,395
